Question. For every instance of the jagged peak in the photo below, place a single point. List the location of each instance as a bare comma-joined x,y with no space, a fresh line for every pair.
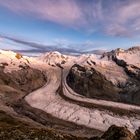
52,54
53,58
118,51
134,49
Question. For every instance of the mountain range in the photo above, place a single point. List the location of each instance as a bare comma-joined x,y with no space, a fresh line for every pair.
59,96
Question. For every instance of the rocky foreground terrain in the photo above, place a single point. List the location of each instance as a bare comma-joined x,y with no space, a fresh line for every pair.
61,97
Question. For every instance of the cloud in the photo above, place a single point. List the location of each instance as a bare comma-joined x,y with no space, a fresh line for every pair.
35,48
114,18
117,30
61,42
1,39
121,18
60,11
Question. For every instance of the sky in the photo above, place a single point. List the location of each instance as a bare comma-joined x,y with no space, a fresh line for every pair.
80,25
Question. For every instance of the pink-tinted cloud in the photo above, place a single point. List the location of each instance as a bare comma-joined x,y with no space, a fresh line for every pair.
115,18
60,11
1,39
122,19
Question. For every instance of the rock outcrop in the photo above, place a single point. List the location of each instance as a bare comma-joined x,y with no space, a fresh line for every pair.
117,133
137,134
16,84
114,76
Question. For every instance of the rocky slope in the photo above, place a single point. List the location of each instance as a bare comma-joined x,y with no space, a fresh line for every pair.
113,76
13,129
18,77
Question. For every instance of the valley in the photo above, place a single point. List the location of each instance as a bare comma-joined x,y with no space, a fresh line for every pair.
77,96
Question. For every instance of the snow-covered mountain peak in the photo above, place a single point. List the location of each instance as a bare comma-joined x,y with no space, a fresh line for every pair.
10,60
8,53
53,58
130,56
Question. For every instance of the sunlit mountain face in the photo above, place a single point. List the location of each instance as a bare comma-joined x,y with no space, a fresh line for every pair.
69,25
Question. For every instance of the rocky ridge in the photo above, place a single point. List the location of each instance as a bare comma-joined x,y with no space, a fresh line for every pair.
114,76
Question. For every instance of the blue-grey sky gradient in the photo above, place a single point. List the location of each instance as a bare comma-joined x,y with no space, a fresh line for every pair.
72,24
